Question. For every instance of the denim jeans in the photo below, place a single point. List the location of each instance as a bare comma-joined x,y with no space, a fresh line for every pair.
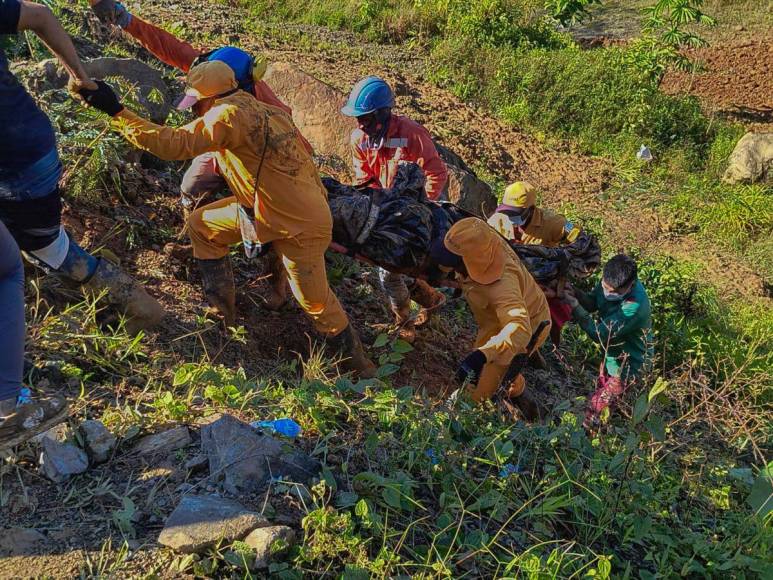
11,316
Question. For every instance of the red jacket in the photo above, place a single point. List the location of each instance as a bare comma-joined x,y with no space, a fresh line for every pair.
406,140
179,54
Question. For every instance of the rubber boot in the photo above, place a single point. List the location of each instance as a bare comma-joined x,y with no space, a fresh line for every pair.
141,309
537,361
217,277
428,298
347,344
280,285
521,397
20,422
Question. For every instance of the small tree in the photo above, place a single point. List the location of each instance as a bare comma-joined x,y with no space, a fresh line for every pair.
668,30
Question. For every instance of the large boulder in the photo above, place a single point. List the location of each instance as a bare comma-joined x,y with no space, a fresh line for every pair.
317,113
200,522
247,459
151,90
751,160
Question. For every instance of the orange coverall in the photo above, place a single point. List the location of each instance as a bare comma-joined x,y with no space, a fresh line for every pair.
405,140
290,203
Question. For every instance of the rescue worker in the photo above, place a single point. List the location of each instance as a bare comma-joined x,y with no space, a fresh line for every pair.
507,304
519,220
623,329
21,415
278,196
30,201
202,178
379,143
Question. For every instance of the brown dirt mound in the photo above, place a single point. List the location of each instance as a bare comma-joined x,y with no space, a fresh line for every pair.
736,80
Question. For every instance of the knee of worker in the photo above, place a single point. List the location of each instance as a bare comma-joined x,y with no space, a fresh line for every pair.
10,258
203,239
201,177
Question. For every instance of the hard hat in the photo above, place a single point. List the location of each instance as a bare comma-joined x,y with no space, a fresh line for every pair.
208,79
368,95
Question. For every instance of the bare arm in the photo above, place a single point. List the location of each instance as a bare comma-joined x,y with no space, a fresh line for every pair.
40,20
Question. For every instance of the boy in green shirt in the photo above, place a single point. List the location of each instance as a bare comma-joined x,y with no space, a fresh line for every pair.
623,328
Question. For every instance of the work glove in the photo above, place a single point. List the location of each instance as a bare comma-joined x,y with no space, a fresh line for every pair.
103,98
112,12
470,368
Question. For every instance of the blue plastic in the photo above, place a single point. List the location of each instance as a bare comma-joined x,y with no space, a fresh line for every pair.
286,427
509,469
367,96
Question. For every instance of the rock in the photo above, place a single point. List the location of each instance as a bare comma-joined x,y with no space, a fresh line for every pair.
201,521
751,160
163,442
21,542
151,90
262,539
316,112
198,462
60,457
247,459
98,441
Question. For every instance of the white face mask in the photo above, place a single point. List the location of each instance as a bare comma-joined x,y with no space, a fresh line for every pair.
612,296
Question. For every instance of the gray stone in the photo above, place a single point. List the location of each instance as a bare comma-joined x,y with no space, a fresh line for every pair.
261,540
200,522
198,462
751,160
247,459
98,441
317,114
21,542
151,90
59,456
164,442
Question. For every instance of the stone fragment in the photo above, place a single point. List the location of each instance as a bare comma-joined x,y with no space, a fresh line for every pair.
21,542
198,462
262,540
247,459
201,521
164,442
751,160
60,458
97,439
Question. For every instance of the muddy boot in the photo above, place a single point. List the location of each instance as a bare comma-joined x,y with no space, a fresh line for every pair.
217,277
279,293
141,309
347,345
406,327
428,298
537,361
22,420
521,398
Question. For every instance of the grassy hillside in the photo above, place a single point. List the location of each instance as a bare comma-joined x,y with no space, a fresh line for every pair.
677,483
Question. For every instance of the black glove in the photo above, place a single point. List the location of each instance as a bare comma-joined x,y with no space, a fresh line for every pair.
470,368
103,98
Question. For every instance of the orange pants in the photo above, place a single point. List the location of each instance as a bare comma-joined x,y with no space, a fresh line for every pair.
492,373
215,227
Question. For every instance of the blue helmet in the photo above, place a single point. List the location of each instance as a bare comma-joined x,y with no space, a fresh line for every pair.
237,59
368,95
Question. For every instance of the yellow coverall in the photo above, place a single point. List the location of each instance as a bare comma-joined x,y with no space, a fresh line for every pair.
507,312
289,205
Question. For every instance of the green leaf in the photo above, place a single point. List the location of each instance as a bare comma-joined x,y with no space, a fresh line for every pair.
381,340
405,393
640,409
329,478
361,509
656,427
659,387
391,496
402,347
761,496
386,370
395,357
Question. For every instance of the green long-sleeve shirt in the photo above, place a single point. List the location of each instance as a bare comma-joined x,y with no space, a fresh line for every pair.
624,328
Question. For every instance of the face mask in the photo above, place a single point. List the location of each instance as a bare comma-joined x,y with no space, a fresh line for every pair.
612,296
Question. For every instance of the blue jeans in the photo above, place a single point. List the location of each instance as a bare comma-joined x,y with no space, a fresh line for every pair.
11,316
